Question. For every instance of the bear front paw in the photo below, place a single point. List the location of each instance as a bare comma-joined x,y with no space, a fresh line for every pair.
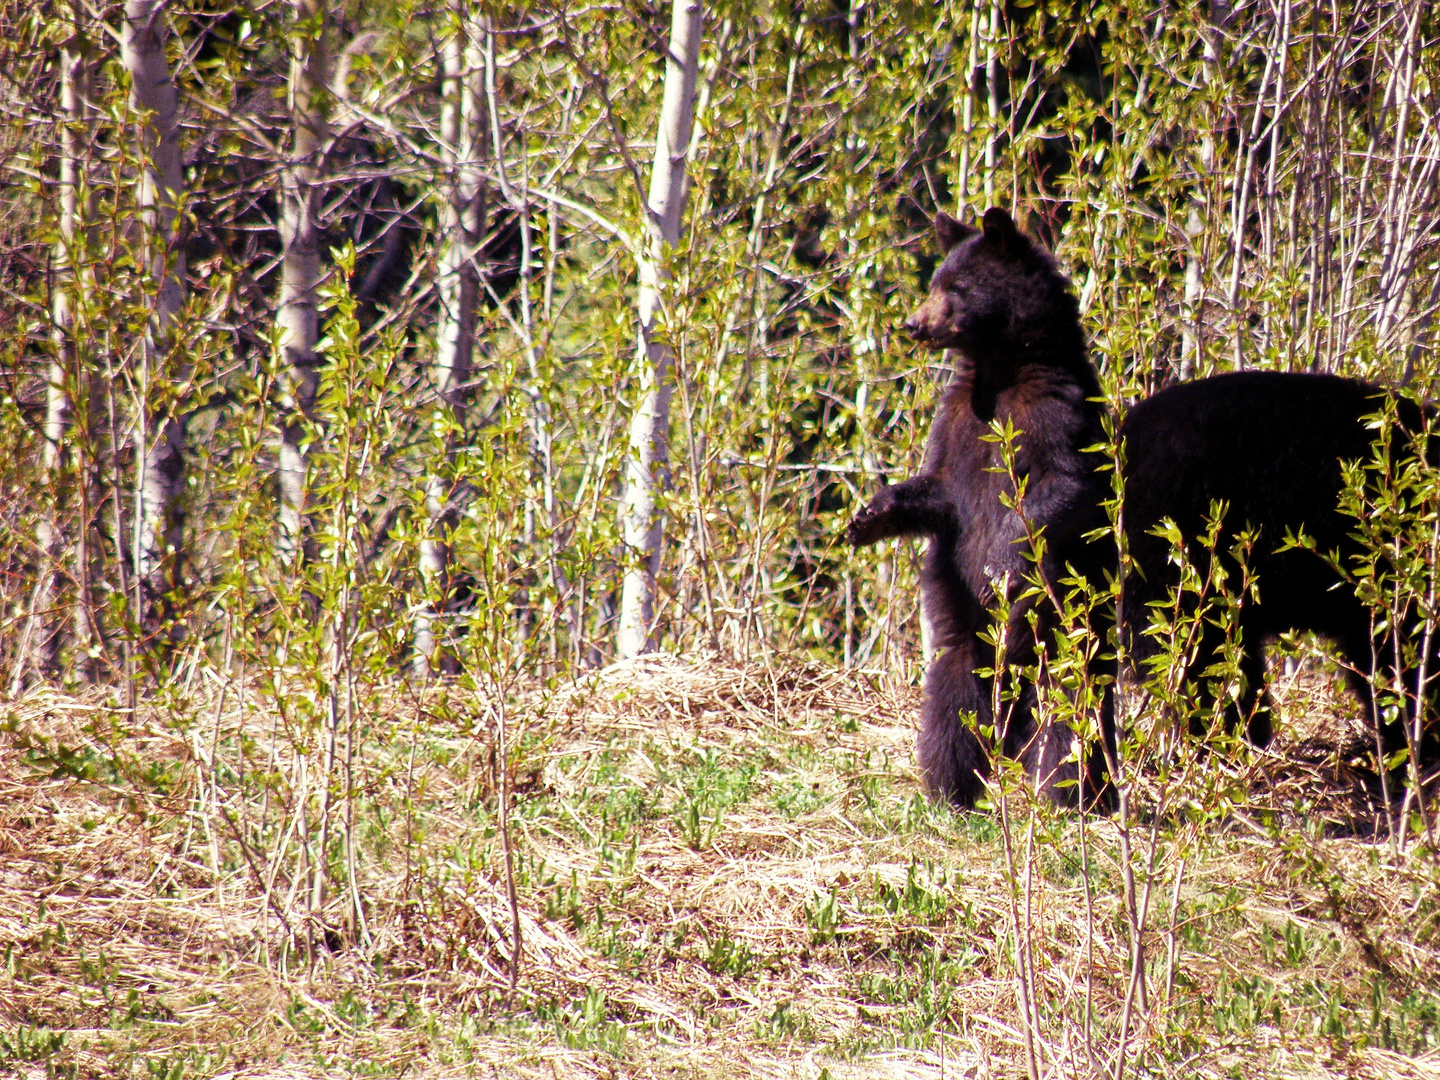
862,530
872,523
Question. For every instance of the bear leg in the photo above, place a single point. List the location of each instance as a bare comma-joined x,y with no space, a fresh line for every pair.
1254,703
918,506
954,764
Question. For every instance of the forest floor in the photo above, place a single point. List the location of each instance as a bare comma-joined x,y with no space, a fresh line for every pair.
721,869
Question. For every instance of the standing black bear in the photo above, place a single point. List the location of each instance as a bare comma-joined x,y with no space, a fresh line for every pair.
1000,300
1268,444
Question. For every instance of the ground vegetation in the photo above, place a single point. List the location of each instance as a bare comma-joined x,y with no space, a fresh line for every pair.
312,544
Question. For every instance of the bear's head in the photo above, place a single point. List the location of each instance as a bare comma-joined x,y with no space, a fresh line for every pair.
996,293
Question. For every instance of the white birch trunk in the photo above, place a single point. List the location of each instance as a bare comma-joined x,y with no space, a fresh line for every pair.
650,424
967,123
462,227
992,100
297,318
161,462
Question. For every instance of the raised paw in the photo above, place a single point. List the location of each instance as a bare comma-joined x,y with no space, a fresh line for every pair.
873,523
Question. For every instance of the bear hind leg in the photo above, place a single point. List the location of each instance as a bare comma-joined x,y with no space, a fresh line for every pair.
953,762
1254,704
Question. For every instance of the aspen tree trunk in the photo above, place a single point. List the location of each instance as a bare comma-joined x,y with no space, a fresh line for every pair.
967,123
649,427
160,478
992,99
297,318
1192,314
462,227
44,623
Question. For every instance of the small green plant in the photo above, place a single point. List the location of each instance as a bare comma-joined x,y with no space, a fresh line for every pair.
1242,1002
725,955
919,990
782,1023
798,800
709,792
33,1044
925,896
586,1025
822,913
565,902
1297,950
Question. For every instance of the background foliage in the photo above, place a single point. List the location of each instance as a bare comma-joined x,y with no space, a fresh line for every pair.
1228,188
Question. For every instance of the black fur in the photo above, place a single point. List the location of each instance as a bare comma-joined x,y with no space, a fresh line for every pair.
1270,445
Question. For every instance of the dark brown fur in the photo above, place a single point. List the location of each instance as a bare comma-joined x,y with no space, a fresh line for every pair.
1269,446
1002,302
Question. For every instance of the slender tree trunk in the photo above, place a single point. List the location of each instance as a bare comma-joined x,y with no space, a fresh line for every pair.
992,100
160,453
44,626
650,424
462,227
967,122
297,317
1196,229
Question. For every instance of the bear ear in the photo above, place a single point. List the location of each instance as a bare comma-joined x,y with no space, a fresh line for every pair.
1000,231
950,232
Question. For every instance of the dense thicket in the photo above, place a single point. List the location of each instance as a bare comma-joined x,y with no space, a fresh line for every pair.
1229,187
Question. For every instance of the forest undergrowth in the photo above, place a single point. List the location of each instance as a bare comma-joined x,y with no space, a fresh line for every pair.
720,868
375,388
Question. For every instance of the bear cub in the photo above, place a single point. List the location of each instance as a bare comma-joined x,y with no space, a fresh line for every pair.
1270,445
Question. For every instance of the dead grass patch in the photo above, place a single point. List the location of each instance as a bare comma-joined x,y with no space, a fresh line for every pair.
722,869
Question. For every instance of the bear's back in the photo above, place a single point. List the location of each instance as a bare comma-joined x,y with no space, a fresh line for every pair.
1267,443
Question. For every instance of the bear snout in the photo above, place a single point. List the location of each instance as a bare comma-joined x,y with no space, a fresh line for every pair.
928,320
919,326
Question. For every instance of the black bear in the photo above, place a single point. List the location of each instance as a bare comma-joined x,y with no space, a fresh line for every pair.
1267,444
1001,301
1270,446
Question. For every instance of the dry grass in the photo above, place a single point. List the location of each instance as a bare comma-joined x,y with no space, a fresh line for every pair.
721,869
